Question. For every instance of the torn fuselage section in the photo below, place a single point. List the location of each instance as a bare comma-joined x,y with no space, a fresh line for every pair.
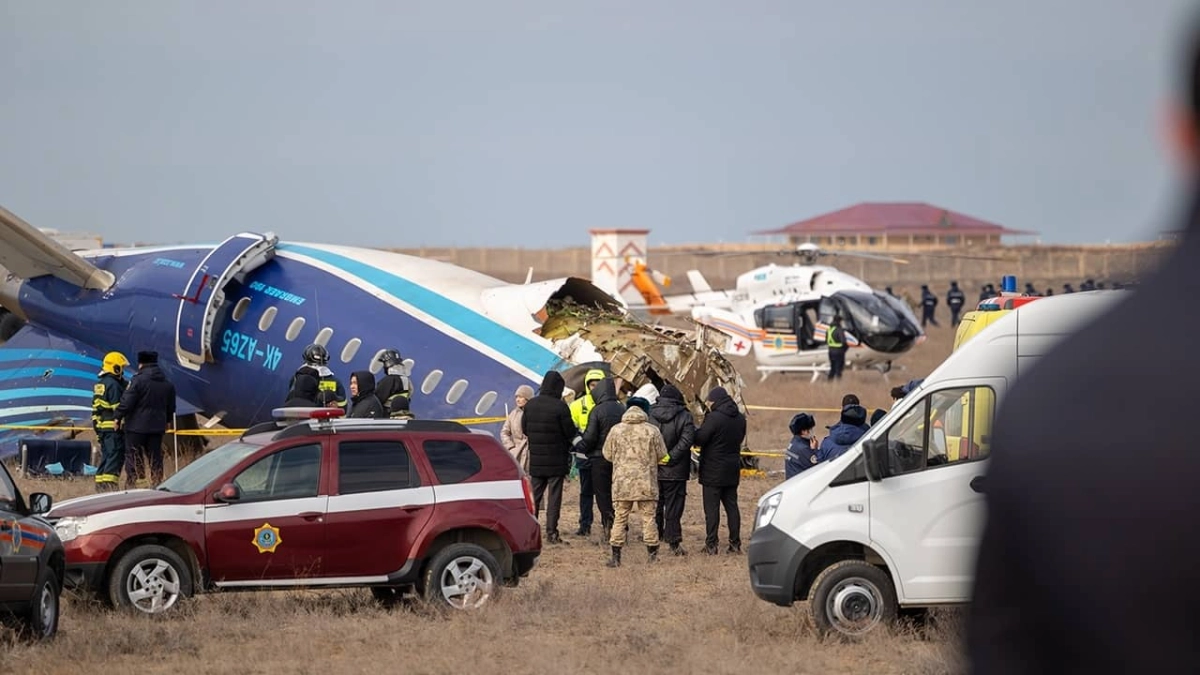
639,353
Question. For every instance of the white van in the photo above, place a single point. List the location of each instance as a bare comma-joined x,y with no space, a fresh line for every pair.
895,521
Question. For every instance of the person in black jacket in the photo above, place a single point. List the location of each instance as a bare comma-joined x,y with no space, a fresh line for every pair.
602,418
548,427
720,439
146,411
1088,558
304,392
672,418
363,402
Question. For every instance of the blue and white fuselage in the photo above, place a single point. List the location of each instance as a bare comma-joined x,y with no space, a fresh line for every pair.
472,339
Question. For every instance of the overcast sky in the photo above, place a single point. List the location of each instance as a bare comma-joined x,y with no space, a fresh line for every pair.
526,122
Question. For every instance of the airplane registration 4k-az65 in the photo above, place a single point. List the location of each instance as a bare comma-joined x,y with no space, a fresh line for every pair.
230,322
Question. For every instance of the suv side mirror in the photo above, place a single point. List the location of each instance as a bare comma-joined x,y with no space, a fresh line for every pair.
229,492
40,502
875,455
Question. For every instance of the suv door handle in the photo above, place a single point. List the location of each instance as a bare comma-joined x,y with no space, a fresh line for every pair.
311,515
977,483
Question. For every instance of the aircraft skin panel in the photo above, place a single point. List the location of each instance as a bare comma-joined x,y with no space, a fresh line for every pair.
254,366
45,380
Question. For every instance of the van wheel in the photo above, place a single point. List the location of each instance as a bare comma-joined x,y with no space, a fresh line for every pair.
462,576
150,579
41,623
851,598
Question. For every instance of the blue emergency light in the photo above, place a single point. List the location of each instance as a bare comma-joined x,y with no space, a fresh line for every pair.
1008,284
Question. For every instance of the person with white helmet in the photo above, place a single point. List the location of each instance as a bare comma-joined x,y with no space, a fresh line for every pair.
106,395
316,363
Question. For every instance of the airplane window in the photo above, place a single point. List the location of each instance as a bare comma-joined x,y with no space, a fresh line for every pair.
350,350
376,365
240,309
267,318
323,336
294,329
456,391
431,381
485,403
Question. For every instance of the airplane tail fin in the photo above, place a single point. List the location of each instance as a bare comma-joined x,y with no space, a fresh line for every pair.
28,253
698,282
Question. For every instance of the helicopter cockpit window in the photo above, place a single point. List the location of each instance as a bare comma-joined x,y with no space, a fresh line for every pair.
899,306
869,312
779,318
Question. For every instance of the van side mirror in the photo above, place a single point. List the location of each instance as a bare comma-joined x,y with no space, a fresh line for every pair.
875,456
40,502
228,493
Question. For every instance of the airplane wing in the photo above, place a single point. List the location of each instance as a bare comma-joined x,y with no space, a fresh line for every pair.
29,253
46,381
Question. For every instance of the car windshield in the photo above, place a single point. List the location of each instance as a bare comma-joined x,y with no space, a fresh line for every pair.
197,475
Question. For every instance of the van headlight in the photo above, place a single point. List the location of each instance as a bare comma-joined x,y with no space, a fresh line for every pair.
68,527
767,511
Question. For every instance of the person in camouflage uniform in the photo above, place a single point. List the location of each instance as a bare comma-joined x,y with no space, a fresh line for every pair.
634,447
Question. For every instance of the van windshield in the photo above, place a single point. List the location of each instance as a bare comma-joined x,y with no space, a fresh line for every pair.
200,473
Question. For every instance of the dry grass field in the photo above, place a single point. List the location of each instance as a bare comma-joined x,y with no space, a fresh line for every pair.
571,615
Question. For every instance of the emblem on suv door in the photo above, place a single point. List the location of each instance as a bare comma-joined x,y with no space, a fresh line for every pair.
266,538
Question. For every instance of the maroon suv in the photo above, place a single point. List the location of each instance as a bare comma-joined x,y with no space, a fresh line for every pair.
387,504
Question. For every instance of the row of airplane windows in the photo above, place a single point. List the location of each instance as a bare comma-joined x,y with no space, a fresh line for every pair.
350,350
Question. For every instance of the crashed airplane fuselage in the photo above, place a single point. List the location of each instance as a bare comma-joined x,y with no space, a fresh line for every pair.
230,323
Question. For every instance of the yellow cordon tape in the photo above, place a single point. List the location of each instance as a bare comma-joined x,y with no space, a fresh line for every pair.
809,410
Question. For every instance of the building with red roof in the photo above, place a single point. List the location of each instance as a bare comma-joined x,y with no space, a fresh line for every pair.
914,225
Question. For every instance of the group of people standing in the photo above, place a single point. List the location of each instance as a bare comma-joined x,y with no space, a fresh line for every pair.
631,456
130,418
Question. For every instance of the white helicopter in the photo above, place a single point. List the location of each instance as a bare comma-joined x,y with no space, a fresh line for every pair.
780,313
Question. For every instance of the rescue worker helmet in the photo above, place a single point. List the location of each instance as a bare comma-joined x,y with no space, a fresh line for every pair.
390,357
594,375
316,355
114,362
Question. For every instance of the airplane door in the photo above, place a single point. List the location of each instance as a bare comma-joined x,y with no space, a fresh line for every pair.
204,296
928,515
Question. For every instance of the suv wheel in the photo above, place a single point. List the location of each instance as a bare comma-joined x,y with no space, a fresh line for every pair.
462,576
41,623
150,579
852,597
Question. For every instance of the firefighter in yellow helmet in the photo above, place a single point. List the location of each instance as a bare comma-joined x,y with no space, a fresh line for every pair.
106,394
580,408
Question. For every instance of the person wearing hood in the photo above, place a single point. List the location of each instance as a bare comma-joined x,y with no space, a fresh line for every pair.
669,414
581,407
363,402
304,393
511,436
548,429
720,438
801,452
602,418
850,428
633,448
145,413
